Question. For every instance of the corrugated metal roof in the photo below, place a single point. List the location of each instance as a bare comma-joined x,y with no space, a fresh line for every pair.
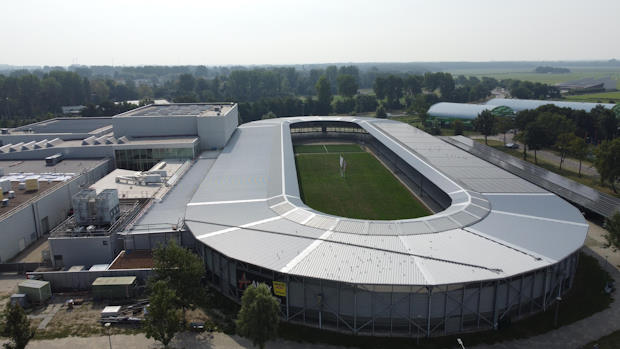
248,208
116,280
458,110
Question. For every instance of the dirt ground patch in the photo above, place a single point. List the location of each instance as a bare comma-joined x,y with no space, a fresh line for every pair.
597,242
81,321
8,286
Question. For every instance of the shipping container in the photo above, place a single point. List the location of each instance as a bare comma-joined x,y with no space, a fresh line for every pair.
38,291
121,287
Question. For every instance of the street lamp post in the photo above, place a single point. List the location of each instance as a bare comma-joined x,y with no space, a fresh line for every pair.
107,326
558,299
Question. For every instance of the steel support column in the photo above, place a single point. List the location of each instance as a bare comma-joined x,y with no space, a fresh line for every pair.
428,312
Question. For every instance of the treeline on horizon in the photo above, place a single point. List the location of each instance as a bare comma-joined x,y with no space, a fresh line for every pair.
27,96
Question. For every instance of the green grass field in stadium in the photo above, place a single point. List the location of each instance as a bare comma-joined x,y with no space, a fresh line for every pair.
368,190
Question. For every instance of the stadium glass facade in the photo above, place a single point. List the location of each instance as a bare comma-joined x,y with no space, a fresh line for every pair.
144,159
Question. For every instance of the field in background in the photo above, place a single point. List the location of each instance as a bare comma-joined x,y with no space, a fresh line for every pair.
368,190
602,97
575,74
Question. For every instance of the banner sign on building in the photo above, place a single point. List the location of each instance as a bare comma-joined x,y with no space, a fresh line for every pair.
279,288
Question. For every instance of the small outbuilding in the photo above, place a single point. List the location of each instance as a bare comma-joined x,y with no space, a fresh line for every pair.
37,291
120,287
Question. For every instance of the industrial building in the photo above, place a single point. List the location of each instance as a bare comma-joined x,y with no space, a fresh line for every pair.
506,107
497,248
587,85
28,215
65,155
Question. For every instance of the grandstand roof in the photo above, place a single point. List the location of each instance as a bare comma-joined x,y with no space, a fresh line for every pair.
248,208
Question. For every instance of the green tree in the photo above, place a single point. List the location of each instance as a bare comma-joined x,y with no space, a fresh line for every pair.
485,124
259,315
579,149
182,270
613,229
380,112
534,137
269,115
413,84
607,162
393,91
554,125
458,127
505,124
163,319
347,85
324,93
606,122
379,86
563,145
16,327
522,119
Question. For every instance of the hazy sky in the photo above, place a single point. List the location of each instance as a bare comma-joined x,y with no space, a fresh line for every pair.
285,32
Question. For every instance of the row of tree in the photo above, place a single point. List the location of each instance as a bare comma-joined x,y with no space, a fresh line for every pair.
40,94
177,286
570,132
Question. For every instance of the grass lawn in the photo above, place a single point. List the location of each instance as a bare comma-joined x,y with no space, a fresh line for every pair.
368,190
602,97
590,181
584,299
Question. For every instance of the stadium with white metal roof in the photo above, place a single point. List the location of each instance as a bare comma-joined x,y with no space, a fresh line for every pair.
497,247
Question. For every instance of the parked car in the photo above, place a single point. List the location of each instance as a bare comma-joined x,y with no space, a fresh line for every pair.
511,145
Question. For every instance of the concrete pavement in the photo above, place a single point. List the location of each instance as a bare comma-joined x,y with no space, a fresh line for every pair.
185,340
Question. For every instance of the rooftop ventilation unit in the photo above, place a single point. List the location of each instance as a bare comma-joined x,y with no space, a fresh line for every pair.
40,144
89,141
96,209
54,142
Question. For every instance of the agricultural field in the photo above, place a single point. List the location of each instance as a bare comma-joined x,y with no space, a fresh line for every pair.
601,97
551,79
368,190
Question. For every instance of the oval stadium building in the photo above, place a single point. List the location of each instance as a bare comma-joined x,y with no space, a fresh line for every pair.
496,249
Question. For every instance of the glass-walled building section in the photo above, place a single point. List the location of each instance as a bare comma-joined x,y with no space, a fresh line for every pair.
144,159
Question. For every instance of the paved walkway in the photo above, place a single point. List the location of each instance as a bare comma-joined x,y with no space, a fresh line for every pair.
183,340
